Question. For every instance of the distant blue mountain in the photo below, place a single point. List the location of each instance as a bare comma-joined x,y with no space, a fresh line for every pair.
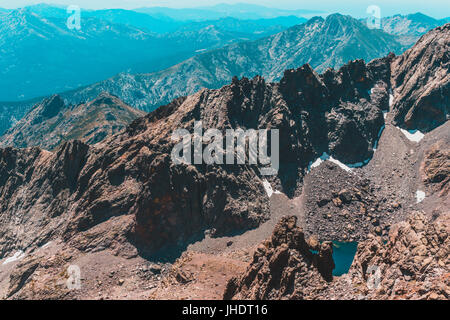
257,26
322,43
117,16
239,11
37,43
409,28
136,19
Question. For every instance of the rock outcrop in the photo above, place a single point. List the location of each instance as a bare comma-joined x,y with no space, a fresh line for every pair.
435,167
284,267
413,264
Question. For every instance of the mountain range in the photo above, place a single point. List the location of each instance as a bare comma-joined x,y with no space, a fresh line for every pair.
409,28
323,43
38,43
110,47
239,11
141,226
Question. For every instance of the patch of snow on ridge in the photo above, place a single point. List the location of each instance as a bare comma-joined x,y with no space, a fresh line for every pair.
420,196
46,245
391,100
326,157
340,164
268,188
413,135
318,161
17,256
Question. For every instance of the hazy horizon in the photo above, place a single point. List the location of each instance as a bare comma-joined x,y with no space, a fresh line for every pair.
435,8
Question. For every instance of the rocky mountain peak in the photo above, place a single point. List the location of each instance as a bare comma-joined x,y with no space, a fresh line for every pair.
105,98
49,108
421,82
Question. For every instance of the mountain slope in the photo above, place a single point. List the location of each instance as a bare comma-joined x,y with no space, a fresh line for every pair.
51,122
321,42
262,27
409,28
421,81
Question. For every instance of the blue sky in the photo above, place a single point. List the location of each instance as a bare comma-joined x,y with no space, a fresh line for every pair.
435,8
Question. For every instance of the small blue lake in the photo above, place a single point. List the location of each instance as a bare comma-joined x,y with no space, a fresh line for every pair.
343,255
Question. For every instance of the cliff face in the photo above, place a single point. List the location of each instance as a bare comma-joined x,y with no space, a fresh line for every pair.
413,264
284,267
421,82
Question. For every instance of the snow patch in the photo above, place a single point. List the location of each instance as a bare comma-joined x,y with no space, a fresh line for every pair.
17,256
46,245
268,188
391,100
412,135
326,157
318,161
340,164
420,196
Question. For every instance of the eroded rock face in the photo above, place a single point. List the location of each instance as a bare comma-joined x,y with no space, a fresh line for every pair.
421,80
284,267
435,167
413,264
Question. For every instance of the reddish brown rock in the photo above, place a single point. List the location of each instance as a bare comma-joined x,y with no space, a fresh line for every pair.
284,268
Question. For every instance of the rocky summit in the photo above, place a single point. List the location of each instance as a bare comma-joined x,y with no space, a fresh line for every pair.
137,225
